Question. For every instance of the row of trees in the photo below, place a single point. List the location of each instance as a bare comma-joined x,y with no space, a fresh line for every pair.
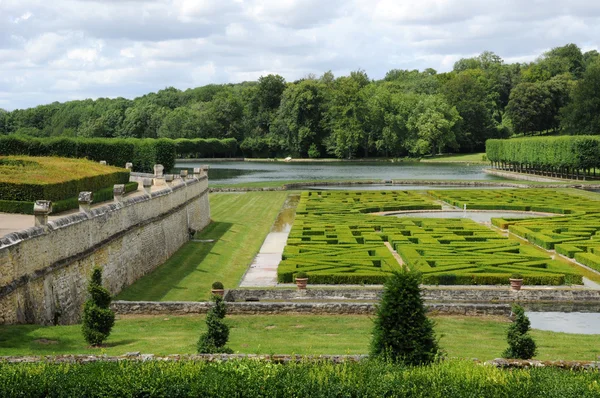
406,113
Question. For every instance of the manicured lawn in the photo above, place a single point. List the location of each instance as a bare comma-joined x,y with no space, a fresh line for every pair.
464,337
458,158
240,224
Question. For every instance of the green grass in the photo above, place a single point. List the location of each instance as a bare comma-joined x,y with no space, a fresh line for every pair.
456,158
240,223
466,337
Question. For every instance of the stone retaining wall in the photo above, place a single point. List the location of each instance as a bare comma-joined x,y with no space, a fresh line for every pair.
44,271
270,308
464,294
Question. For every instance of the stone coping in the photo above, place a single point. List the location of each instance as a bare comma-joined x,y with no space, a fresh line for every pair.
464,294
311,308
274,358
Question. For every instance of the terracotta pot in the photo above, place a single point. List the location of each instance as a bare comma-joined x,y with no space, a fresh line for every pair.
301,283
515,284
218,292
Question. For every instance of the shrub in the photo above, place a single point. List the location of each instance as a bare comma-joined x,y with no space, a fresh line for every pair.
516,276
402,332
301,275
217,285
520,343
98,318
215,338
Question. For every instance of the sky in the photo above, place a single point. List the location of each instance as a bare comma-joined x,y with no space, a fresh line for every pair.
62,50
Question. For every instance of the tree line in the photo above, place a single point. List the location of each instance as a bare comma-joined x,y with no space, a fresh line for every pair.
407,113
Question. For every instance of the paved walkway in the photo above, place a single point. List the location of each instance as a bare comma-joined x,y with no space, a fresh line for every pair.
263,270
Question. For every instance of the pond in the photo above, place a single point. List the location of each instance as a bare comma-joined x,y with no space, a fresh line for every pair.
252,172
566,322
477,216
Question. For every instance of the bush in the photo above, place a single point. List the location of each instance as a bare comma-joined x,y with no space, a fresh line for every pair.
520,343
98,318
215,338
402,332
217,285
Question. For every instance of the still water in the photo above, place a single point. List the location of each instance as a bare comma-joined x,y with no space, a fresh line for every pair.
566,322
477,216
248,172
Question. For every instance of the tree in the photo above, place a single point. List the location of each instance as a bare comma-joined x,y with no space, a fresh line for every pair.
520,344
468,92
215,338
582,115
402,331
432,126
98,318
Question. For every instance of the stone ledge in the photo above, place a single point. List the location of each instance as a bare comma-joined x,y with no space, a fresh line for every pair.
138,357
487,294
249,308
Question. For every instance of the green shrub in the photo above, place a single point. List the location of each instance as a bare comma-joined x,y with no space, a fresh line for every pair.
217,285
215,338
402,331
520,343
98,318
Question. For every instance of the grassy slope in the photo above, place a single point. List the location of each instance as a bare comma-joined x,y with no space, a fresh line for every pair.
465,337
460,158
240,224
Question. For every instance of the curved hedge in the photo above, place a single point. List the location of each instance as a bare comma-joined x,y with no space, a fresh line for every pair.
143,153
564,152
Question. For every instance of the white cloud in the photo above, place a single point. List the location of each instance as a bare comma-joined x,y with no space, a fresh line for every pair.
64,49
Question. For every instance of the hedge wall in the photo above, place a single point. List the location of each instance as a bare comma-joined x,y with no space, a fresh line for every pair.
143,153
102,195
63,190
573,152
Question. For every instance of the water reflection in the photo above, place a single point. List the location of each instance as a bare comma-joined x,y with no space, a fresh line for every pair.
246,172
566,322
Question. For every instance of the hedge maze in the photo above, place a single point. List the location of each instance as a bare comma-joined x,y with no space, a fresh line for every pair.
576,234
336,242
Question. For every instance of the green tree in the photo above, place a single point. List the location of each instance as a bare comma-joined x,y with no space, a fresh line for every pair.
143,120
98,318
182,122
468,92
300,118
520,343
431,126
266,101
215,338
582,115
402,331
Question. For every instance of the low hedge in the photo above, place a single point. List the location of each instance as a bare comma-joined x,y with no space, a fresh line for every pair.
252,378
62,190
102,195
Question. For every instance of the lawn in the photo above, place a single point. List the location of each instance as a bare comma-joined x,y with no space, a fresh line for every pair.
240,223
457,158
464,337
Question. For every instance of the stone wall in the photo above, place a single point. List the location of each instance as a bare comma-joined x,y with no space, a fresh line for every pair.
463,294
270,308
44,270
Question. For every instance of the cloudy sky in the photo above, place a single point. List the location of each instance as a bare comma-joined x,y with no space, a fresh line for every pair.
61,50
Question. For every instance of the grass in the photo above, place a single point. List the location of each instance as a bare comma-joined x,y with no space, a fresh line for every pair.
48,170
466,337
456,158
240,223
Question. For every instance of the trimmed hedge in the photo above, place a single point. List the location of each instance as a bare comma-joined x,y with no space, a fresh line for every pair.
251,378
102,195
143,153
573,152
63,190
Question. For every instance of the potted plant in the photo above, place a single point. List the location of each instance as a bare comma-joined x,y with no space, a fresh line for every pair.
516,281
301,280
217,289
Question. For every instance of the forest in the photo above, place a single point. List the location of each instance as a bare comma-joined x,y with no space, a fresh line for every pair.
407,113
